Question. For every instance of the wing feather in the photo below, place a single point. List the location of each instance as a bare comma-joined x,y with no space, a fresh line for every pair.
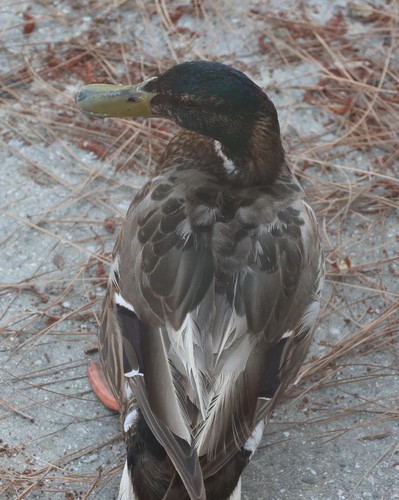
213,302
183,456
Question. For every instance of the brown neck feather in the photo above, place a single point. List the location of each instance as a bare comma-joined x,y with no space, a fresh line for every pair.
261,160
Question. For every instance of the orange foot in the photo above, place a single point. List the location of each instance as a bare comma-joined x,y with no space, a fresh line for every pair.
100,386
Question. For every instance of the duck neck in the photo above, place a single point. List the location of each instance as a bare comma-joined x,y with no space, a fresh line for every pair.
259,159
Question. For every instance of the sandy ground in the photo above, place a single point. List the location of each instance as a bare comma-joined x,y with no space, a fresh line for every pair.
66,181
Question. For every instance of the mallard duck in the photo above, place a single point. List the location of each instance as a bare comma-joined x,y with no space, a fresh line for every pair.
214,287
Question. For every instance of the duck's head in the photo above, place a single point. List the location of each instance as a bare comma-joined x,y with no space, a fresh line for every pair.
210,98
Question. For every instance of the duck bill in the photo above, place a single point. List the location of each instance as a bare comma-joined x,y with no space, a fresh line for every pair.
114,100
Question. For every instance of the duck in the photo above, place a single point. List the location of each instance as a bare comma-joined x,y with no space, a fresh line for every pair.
214,287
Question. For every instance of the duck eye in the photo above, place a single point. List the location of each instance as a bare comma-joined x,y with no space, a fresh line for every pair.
190,104
186,101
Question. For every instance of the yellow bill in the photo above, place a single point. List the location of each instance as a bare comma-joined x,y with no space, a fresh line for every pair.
104,100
